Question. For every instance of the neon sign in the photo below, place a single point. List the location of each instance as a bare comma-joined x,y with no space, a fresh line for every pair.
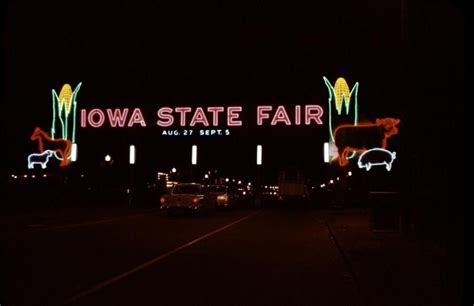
350,138
199,116
64,106
41,159
341,95
376,157
57,146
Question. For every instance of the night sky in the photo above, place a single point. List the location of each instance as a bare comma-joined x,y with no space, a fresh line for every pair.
150,54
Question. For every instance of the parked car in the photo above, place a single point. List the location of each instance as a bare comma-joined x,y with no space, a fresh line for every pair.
187,197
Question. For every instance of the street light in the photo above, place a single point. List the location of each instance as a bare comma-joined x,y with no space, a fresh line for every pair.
173,170
259,155
349,173
326,152
194,155
206,176
107,158
74,152
132,155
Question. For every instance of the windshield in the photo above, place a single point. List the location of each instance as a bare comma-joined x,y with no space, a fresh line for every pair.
187,189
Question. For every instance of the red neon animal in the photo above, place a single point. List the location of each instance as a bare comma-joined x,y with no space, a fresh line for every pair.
62,147
358,138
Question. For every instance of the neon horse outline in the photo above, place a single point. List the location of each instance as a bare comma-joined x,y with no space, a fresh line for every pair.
62,147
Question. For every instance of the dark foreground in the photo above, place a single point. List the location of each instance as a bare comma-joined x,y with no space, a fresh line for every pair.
268,256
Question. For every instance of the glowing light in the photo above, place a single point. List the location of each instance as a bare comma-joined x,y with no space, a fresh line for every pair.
227,179
386,126
136,117
337,178
41,159
183,111
239,182
322,185
25,176
250,184
281,116
206,176
199,117
165,113
117,117
58,146
342,96
107,158
92,121
349,173
259,155
45,175
376,157
326,152
74,152
261,113
233,113
215,114
132,155
331,181
194,155
62,105
65,97
313,112
173,170
33,176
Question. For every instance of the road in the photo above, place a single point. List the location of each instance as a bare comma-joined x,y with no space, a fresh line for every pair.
271,256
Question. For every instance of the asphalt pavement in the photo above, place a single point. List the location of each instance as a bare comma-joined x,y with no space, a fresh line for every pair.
268,256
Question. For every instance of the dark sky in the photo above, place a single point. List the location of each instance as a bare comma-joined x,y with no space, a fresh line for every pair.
155,53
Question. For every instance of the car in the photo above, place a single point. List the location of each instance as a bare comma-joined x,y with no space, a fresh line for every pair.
187,197
220,195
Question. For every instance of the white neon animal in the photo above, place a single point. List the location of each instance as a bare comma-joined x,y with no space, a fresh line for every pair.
376,157
39,158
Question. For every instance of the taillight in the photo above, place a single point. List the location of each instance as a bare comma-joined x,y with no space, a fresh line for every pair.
162,200
195,200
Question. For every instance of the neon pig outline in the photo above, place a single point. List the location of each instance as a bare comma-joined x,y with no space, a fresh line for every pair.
368,165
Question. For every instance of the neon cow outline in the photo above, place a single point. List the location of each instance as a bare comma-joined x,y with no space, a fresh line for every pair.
58,146
368,165
43,159
388,127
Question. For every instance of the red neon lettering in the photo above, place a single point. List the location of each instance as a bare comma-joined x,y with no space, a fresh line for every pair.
182,111
233,113
281,116
136,117
165,114
117,118
91,120
261,115
313,112
215,110
199,117
297,115
83,118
